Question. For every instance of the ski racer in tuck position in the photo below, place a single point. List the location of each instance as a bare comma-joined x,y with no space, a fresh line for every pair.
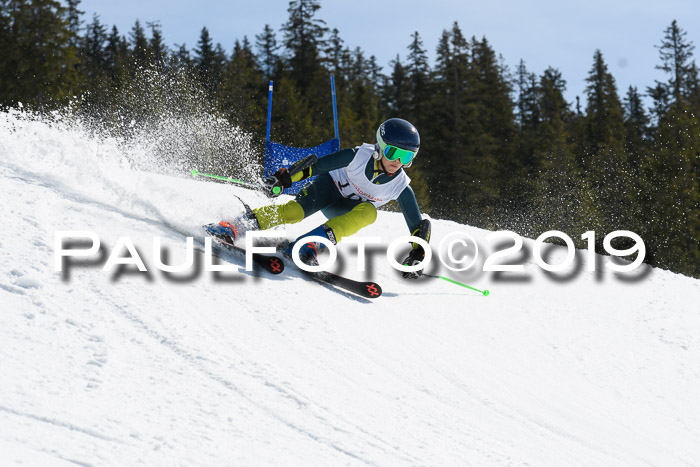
351,184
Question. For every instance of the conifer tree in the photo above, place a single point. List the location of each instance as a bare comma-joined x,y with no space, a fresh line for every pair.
557,197
266,44
139,47
181,59
637,129
72,16
334,55
605,160
605,126
209,61
93,55
694,88
671,195
675,52
93,62
40,66
527,111
418,80
395,94
292,121
117,54
304,41
340,62
360,102
491,149
527,120
240,91
8,56
683,85
157,49
418,76
375,73
450,117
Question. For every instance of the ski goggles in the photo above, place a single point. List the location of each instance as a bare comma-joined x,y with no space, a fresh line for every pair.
392,153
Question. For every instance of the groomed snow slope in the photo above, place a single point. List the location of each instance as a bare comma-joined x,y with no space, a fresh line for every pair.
102,368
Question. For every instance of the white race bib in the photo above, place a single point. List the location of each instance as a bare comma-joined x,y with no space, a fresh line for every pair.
352,182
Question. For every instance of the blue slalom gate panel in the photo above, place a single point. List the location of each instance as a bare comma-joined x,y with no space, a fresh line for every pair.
278,155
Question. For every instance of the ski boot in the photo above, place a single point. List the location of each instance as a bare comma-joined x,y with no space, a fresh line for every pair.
229,232
309,251
224,231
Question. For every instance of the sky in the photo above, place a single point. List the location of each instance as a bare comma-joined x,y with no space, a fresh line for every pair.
543,33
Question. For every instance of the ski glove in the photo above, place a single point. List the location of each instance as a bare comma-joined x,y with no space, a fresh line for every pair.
277,183
416,256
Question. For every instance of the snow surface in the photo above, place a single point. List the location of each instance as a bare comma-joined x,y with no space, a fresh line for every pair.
127,368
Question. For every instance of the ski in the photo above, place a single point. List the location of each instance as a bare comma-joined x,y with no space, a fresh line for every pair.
363,289
271,263
274,265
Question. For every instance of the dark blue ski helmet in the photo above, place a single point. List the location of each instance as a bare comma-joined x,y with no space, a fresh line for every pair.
398,139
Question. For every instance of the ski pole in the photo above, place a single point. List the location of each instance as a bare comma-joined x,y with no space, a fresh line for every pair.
484,292
256,186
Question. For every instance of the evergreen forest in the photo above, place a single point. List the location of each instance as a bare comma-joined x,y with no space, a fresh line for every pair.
501,148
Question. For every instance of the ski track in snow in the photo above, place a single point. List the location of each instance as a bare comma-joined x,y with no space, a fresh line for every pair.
129,368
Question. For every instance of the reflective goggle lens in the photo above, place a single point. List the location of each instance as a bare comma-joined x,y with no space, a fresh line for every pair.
392,153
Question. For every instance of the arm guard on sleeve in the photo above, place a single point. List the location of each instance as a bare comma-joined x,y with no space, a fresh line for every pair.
423,232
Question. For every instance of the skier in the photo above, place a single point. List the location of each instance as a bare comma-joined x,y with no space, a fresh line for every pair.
351,185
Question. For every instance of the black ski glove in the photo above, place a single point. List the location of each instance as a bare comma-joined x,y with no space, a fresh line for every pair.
416,256
277,183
